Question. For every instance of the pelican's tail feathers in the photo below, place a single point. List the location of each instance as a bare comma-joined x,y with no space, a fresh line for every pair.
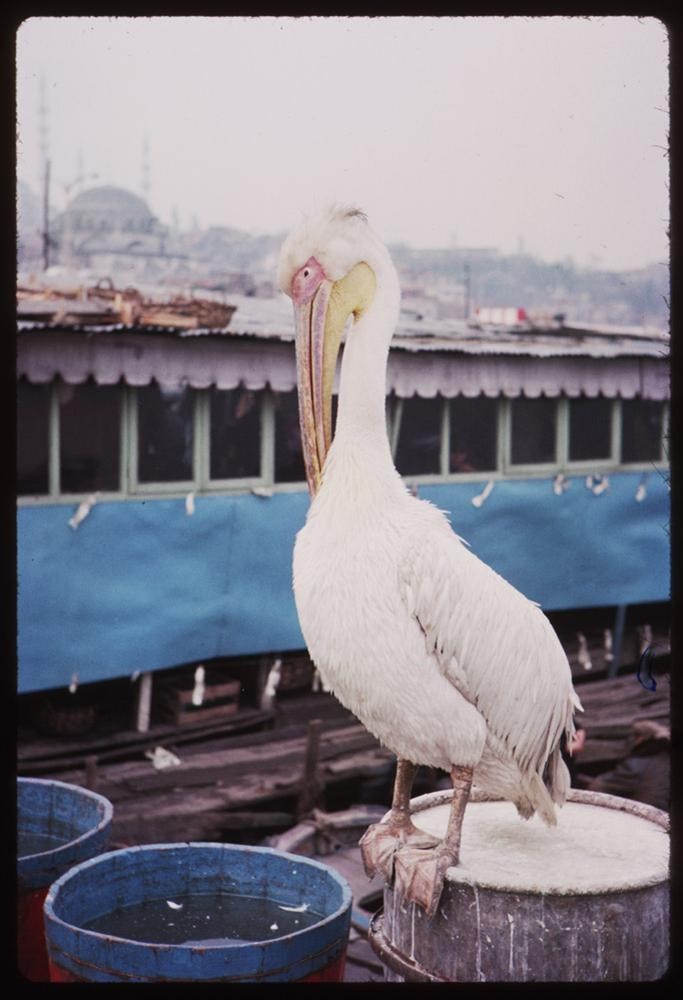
536,799
557,779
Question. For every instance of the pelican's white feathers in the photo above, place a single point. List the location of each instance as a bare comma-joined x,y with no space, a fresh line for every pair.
493,644
443,660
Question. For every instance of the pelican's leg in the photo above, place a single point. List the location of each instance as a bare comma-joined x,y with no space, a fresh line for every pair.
420,874
380,841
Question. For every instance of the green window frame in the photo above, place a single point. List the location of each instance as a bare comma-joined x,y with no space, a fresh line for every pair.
205,481
662,455
605,463
523,467
130,487
34,402
146,487
463,415
440,405
54,492
90,425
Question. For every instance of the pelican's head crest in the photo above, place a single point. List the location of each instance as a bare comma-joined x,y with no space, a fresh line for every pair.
337,237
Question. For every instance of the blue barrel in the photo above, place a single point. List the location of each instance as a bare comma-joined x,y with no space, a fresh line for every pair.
166,872
58,826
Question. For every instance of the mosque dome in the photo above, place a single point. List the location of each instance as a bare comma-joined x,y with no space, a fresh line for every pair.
110,209
104,221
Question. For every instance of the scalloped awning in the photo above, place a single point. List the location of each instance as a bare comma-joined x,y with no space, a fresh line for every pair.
225,362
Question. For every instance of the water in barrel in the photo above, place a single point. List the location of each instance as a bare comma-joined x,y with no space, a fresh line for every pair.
205,919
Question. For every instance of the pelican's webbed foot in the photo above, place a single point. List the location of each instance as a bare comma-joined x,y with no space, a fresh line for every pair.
381,841
419,875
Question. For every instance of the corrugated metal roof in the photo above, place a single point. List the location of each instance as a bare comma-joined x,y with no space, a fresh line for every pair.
272,319
536,344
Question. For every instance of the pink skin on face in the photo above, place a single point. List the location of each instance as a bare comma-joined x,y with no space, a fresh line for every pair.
306,281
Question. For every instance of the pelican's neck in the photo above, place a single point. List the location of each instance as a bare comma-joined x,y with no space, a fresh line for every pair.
362,387
360,446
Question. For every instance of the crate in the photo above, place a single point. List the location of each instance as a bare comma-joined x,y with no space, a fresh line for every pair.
221,699
296,673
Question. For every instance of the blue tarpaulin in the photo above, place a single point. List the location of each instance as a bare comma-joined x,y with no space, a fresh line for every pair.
141,584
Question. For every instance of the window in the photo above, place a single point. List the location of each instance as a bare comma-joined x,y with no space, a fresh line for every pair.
590,429
289,462
33,436
165,434
533,431
89,431
473,434
73,439
418,450
641,430
235,439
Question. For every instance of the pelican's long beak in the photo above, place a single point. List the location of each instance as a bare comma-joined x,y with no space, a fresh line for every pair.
321,308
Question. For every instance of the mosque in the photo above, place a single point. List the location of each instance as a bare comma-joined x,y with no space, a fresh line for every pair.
105,226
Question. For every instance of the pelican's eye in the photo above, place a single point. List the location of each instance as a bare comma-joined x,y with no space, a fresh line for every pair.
307,280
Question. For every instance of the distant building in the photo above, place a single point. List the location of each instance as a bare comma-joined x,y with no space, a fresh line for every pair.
104,224
501,316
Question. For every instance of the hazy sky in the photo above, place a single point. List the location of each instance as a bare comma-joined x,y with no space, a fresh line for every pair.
474,131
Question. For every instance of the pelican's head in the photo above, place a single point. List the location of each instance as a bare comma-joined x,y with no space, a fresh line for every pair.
330,267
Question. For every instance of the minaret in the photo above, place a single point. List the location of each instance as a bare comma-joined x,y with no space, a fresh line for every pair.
43,132
44,182
146,187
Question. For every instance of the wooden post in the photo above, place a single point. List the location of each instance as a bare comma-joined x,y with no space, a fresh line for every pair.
619,622
144,703
262,671
91,777
311,784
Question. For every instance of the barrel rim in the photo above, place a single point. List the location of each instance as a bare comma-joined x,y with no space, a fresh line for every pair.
105,819
394,959
578,795
167,948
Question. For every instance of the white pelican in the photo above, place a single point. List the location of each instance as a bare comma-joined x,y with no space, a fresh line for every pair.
440,658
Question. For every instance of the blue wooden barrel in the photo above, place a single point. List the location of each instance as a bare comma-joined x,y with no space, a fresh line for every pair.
58,826
166,872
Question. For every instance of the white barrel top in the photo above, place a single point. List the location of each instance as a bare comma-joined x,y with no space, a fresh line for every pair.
593,848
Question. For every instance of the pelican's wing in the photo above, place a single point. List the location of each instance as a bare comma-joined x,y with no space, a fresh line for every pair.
490,641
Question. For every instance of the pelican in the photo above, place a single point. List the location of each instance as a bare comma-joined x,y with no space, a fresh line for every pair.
439,657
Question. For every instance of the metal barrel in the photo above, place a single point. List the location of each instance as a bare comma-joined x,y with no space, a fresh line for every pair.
97,887
58,826
585,901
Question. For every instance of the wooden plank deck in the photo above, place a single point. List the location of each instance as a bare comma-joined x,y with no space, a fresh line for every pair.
197,799
45,755
611,706
231,779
